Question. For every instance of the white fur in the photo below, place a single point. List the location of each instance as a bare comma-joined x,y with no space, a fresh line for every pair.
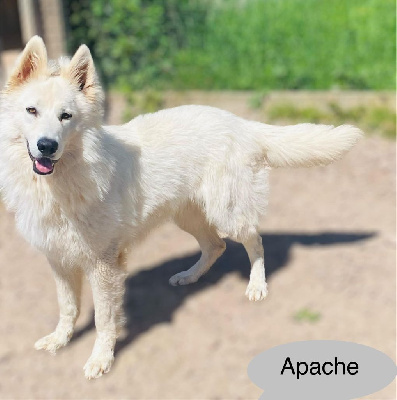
202,167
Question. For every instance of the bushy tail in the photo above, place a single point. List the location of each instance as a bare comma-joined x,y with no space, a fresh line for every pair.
306,145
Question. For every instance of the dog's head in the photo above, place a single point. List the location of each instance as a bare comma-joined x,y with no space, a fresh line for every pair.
51,102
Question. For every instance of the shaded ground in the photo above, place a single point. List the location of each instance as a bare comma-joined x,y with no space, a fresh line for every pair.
329,241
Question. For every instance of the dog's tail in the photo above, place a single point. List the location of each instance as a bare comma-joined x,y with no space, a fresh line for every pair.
306,145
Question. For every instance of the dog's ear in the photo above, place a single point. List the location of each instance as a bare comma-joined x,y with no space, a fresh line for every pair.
82,70
31,63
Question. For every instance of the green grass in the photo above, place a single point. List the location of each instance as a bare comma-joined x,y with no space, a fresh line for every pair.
306,315
287,111
257,99
292,44
144,102
238,44
369,119
383,119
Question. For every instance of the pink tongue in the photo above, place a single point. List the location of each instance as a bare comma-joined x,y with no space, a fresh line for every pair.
44,165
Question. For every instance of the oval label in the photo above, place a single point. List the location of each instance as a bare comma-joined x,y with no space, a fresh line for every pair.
321,369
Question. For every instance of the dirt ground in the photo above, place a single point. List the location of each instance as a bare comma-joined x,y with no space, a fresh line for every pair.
329,240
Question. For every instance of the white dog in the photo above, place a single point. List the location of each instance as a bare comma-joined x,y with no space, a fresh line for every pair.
84,193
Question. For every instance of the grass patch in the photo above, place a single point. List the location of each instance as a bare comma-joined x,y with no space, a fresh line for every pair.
383,119
238,44
257,100
295,114
291,44
148,101
306,315
369,119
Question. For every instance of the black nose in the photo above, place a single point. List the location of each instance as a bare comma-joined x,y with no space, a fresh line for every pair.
47,146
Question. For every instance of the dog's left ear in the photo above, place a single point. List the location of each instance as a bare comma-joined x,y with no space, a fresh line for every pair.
31,63
82,70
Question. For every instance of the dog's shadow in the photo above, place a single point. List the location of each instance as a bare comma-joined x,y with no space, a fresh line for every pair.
150,300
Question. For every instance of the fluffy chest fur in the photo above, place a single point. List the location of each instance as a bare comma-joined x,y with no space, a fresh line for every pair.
65,229
68,214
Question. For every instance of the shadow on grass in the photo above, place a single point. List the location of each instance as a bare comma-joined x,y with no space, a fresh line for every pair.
150,300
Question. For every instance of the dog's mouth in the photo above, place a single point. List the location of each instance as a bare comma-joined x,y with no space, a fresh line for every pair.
42,165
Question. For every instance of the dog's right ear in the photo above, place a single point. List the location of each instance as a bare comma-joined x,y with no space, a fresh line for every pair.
31,63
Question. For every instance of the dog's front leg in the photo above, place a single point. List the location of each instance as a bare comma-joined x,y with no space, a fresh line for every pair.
107,283
68,283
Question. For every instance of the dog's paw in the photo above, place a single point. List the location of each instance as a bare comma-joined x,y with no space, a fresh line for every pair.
256,291
52,342
183,278
98,365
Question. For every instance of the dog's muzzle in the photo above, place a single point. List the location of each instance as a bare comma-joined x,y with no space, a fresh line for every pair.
42,165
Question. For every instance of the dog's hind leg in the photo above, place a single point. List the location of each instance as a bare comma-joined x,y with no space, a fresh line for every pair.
68,284
107,283
212,246
257,287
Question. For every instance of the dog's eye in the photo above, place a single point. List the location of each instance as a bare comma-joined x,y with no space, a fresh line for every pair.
65,116
31,110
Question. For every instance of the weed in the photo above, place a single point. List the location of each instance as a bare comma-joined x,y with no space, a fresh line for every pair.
306,315
379,119
288,111
141,103
257,99
383,119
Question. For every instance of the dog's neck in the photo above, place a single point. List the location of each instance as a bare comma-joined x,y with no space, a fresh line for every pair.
83,174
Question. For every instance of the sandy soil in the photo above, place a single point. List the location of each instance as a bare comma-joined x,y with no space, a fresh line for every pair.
329,240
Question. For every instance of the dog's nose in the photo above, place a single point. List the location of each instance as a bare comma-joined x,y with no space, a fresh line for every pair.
47,146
